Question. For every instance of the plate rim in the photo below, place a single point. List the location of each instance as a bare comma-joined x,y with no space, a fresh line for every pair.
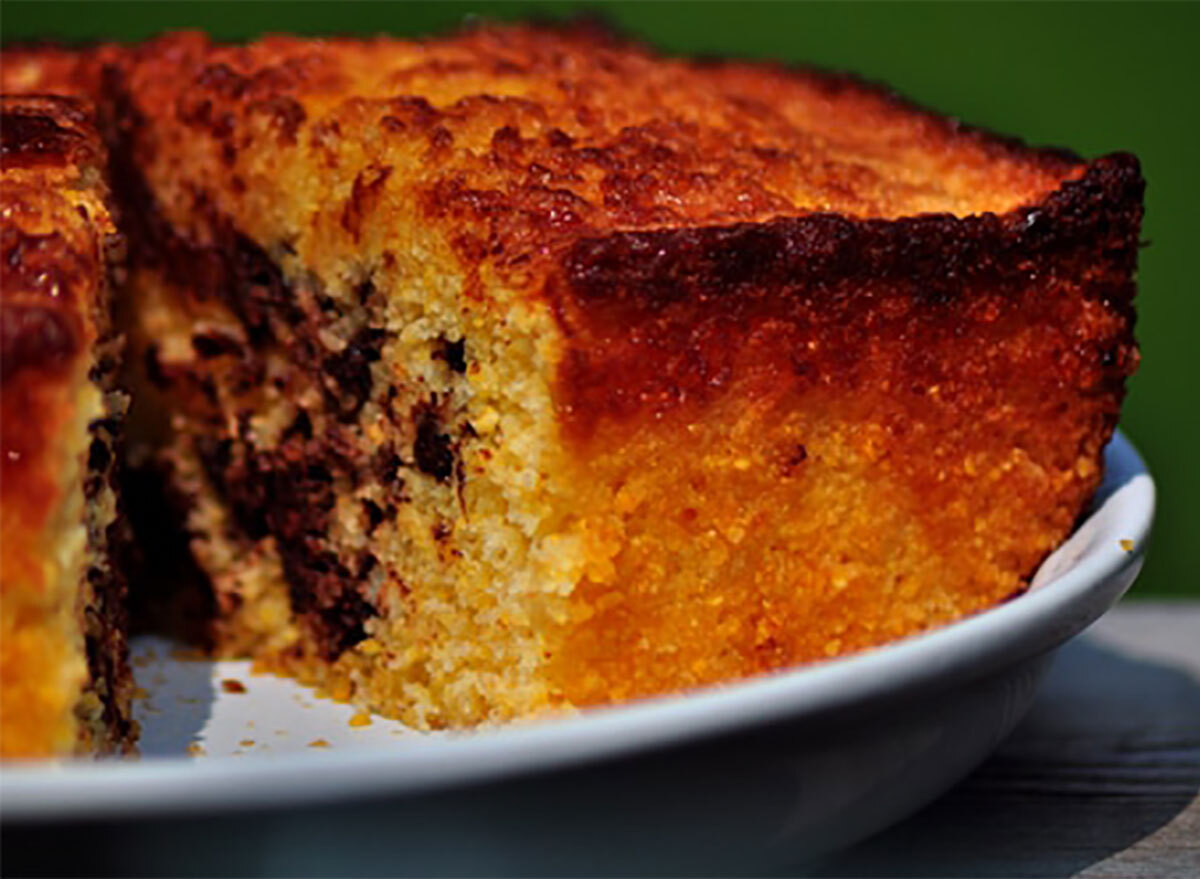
1034,622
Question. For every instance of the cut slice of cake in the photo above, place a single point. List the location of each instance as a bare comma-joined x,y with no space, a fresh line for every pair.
65,683
525,370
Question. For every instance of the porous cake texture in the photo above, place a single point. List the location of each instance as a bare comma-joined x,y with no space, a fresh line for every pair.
524,369
65,682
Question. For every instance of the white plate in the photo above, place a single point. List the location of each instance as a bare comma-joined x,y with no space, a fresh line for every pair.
817,756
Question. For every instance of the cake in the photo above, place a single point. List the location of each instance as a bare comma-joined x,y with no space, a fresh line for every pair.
65,682
525,370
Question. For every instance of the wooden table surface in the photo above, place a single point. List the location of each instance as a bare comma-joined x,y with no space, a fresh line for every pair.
1101,779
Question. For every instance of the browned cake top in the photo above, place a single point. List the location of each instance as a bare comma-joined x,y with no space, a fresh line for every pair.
572,131
48,151
637,140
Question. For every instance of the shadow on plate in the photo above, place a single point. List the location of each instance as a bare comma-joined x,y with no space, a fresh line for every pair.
177,697
1108,755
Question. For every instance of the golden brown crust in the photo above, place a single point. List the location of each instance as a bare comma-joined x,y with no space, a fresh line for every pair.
536,136
49,130
634,303
897,345
55,233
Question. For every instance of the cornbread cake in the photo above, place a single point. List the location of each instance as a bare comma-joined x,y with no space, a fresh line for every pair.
524,369
65,683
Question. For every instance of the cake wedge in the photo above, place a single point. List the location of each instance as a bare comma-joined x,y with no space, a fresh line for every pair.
525,370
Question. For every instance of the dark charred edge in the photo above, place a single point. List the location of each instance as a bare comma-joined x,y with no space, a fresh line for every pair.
46,130
661,285
34,139
109,652
939,252
632,280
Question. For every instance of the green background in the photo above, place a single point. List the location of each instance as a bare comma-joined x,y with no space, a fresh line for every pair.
1095,78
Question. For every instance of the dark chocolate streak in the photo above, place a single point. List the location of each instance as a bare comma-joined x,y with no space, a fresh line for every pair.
30,138
106,620
287,491
454,354
215,344
160,553
348,373
432,449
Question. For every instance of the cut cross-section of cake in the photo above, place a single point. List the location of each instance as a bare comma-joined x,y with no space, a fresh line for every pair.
526,369
65,683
